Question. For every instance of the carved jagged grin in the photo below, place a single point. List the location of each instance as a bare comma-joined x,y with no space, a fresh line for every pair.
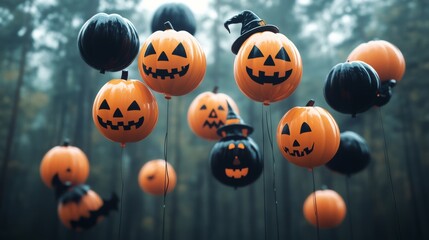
128,126
213,124
275,79
236,173
297,153
163,73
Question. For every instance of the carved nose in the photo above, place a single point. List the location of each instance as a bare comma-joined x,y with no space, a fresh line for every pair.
236,161
295,143
213,114
163,57
269,61
117,113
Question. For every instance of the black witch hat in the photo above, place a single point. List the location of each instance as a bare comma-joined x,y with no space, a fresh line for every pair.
234,125
251,24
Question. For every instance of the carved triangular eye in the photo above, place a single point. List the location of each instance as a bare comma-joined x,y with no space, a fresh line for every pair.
255,53
180,51
133,106
149,50
305,128
104,105
286,130
204,107
220,108
282,54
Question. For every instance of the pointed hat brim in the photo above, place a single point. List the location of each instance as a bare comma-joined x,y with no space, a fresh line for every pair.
240,40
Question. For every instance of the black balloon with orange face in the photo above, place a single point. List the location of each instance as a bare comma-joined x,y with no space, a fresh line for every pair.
235,159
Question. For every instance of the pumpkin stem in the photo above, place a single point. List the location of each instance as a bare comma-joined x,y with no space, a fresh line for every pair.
310,103
215,89
66,142
124,75
168,26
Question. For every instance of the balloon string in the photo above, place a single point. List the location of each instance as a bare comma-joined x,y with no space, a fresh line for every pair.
270,137
122,191
315,205
349,207
166,177
263,172
389,173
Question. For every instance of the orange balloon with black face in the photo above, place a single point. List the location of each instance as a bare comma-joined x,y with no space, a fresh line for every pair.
81,208
64,165
268,67
125,110
308,136
157,177
172,62
208,112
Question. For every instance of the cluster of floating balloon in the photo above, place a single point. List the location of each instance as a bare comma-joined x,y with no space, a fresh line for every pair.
170,62
65,169
366,79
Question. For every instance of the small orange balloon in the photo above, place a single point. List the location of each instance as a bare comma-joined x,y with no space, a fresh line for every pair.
383,56
152,178
331,209
207,113
68,163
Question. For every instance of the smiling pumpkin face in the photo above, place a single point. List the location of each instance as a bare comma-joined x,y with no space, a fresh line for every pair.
208,112
308,136
235,161
268,67
125,110
172,62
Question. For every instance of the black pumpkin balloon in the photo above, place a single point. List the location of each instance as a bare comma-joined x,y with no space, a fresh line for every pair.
352,156
179,14
108,42
235,160
351,87
385,92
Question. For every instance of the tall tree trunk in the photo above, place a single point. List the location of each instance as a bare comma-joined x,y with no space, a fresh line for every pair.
15,107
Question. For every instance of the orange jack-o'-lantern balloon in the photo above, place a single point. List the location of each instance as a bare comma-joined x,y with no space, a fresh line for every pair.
153,178
268,67
80,208
308,136
125,110
172,62
208,112
64,165
383,56
331,209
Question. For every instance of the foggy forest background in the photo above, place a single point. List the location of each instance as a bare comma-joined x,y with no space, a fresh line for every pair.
47,91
